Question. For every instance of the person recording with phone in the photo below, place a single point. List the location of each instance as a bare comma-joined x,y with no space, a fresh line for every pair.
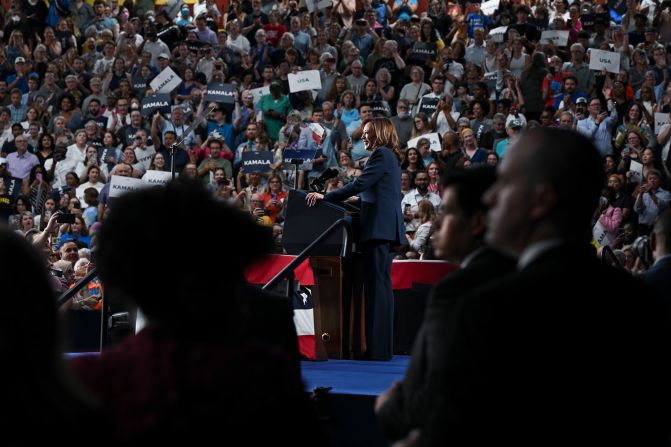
382,228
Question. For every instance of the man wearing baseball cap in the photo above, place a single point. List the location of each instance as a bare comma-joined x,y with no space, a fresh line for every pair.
20,79
513,129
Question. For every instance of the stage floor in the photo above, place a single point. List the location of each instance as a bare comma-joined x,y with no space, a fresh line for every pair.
364,378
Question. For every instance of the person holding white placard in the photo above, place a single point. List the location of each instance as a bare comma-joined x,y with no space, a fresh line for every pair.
635,143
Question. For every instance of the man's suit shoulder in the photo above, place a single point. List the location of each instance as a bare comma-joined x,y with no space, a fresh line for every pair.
484,267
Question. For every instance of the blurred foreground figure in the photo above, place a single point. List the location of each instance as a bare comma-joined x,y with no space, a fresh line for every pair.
565,350
38,395
193,373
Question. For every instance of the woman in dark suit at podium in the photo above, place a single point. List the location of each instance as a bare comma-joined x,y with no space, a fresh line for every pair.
382,228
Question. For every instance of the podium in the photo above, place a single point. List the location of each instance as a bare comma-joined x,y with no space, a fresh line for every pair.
338,288
304,224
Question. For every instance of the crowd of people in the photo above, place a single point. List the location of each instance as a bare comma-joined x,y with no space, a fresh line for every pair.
459,80
466,87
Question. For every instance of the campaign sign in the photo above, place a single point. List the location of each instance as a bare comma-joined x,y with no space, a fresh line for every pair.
166,81
601,236
152,104
423,51
489,7
428,105
380,108
13,186
139,84
661,119
599,60
157,177
588,20
298,154
257,161
316,5
433,138
304,80
121,185
257,93
497,34
636,170
220,92
558,38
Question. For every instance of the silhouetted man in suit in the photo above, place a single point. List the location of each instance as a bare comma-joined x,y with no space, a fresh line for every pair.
658,277
460,239
379,189
565,350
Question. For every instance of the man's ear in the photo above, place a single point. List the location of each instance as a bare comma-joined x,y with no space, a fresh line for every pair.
653,241
544,200
478,223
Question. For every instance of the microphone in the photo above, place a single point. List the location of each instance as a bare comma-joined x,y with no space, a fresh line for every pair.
318,184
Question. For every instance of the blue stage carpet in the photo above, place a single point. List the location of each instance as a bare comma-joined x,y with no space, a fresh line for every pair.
366,378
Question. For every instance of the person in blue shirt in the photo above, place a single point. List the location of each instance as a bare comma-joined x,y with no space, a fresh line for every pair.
221,125
477,19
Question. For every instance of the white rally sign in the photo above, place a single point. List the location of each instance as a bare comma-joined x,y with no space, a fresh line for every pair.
599,60
166,81
305,80
661,119
121,185
313,5
497,34
257,93
489,7
558,38
432,137
152,177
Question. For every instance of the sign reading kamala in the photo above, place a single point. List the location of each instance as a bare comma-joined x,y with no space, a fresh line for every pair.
121,185
557,37
428,106
305,80
166,81
423,51
139,84
220,92
257,161
152,177
599,60
380,108
151,104
298,154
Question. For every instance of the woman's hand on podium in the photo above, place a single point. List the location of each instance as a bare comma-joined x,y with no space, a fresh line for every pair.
313,197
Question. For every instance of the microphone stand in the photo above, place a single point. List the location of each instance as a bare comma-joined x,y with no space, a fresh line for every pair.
182,138
296,162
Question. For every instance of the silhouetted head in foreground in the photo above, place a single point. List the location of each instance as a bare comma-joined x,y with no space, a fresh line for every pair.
34,382
548,187
178,253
